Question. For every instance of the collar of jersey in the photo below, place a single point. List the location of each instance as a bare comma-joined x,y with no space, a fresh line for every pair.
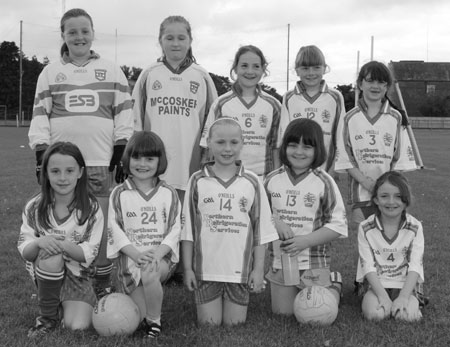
379,225
236,87
301,89
210,173
183,66
385,107
65,59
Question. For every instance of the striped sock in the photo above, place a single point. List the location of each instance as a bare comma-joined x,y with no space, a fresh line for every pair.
102,276
49,287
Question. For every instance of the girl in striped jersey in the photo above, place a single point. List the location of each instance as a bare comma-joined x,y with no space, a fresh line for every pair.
391,245
59,238
256,111
144,228
227,224
311,98
309,214
84,99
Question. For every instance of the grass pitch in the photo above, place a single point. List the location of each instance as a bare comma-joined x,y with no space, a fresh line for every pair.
431,189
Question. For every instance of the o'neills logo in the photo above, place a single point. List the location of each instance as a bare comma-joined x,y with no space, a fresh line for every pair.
100,74
194,87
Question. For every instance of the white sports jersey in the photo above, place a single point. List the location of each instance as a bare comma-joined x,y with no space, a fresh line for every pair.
306,204
87,236
373,145
326,109
392,259
87,105
144,221
174,104
259,121
226,220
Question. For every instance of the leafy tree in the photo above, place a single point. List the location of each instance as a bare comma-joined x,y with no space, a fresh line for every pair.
9,80
222,84
135,72
348,92
272,91
126,71
10,77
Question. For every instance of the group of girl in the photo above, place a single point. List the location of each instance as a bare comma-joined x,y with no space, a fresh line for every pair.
209,182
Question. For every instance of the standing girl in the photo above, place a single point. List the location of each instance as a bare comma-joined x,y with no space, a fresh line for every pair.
371,140
391,247
144,228
172,98
227,224
59,238
311,98
84,99
309,214
256,111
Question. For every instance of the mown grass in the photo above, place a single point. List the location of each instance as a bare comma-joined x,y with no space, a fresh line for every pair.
431,205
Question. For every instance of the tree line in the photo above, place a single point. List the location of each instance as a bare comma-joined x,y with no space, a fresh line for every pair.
31,68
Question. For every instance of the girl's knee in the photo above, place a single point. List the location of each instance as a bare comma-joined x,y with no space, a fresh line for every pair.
412,312
370,307
54,263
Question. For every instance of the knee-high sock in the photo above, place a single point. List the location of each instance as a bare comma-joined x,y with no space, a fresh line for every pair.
49,288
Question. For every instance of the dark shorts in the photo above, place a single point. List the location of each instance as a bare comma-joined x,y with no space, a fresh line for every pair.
363,288
99,180
208,291
125,283
77,289
308,278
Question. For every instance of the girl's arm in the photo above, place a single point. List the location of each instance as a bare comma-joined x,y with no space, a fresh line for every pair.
321,236
383,297
187,249
256,278
401,302
51,244
365,181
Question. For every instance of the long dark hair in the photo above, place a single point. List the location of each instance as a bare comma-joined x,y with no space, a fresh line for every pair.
82,199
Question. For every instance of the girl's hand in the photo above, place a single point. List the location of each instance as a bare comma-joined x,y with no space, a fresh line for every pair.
294,245
386,303
399,306
256,282
50,245
145,258
189,280
284,230
368,184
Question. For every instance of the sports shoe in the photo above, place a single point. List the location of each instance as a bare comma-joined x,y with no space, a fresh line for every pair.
151,329
43,326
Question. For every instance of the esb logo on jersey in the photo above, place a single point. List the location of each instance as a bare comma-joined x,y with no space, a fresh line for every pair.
82,100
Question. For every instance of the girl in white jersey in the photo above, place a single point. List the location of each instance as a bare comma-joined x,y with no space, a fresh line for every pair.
172,98
59,238
227,224
144,228
391,247
372,140
84,99
311,98
309,213
256,111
